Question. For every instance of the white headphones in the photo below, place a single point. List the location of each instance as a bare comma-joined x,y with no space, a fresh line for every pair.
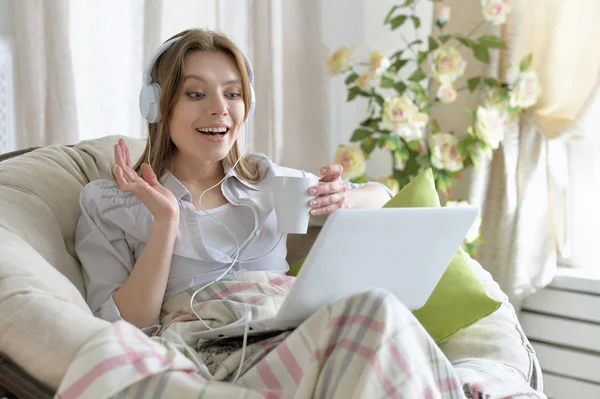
150,93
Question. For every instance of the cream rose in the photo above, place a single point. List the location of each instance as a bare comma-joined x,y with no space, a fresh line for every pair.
442,14
446,94
489,126
446,64
340,61
378,62
352,160
495,11
403,118
526,90
365,81
444,152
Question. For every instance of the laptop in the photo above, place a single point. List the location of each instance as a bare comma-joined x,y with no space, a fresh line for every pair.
402,250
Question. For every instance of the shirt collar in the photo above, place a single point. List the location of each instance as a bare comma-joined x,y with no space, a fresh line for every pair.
180,192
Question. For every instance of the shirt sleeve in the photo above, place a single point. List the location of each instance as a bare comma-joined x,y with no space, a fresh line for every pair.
105,256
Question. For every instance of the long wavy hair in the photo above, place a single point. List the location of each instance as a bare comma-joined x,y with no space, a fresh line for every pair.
168,73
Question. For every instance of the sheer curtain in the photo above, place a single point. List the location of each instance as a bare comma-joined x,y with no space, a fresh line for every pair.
525,226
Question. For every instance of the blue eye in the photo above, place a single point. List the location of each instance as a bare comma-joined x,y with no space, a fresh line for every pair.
195,95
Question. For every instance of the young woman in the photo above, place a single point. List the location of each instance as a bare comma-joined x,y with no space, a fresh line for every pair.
158,232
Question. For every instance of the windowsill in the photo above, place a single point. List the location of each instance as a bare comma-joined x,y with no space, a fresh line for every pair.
582,280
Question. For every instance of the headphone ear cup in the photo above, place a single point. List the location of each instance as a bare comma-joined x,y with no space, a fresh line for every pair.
150,102
252,102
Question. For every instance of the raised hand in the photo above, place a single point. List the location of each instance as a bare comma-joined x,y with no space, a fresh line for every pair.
159,200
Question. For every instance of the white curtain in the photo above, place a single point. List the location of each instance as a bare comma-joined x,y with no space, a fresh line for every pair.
46,110
81,63
525,214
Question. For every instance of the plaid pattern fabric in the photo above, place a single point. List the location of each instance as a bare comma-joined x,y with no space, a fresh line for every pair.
365,345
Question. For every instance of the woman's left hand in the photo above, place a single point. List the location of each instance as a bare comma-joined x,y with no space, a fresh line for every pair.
331,193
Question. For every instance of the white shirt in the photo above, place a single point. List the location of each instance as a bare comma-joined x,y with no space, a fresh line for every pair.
114,227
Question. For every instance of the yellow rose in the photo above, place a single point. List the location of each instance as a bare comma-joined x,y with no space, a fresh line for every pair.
490,126
446,64
526,91
403,118
352,160
446,94
444,152
340,61
495,11
378,62
390,182
473,233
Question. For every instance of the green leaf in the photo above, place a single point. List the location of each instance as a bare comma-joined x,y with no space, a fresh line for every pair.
422,56
351,78
418,41
372,123
433,44
397,54
417,76
445,38
391,142
368,145
389,14
525,63
412,166
491,41
400,87
473,83
465,40
399,64
435,126
360,134
471,114
414,145
416,88
386,82
379,99
491,82
352,93
398,21
481,53
416,21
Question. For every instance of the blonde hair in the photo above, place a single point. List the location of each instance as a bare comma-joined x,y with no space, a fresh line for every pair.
168,73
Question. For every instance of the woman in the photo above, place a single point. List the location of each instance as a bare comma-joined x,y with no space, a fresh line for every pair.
167,225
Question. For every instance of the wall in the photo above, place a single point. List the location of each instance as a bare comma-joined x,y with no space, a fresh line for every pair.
5,17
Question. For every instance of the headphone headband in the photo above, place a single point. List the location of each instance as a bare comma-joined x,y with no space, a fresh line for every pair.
150,93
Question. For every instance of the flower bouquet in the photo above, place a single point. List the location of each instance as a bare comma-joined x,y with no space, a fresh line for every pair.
402,88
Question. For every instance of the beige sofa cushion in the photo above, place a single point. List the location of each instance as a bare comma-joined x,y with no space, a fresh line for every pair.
44,319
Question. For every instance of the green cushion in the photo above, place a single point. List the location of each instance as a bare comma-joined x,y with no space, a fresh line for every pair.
460,298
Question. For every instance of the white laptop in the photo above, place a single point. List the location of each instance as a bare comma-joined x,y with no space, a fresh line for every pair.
402,250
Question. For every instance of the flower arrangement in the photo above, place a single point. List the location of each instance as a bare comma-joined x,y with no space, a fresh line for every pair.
399,105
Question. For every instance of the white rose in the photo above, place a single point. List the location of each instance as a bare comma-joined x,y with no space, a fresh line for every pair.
446,94
446,64
444,152
365,81
490,126
495,11
526,90
442,14
378,62
401,116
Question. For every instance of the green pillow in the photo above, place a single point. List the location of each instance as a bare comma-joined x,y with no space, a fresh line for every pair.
459,299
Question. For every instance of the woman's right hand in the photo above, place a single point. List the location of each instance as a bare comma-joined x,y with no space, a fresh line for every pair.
159,200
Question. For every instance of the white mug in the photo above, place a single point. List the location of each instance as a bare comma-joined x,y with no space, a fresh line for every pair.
291,200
